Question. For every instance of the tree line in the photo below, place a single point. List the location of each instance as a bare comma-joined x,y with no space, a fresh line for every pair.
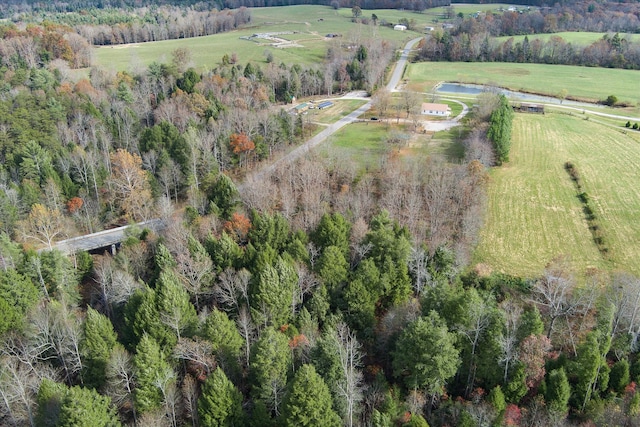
611,51
473,39
12,8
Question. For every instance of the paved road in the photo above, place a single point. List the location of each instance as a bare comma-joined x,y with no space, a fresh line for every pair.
102,239
350,118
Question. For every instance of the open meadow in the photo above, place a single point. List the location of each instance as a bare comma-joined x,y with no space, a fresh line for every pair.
363,144
534,214
592,84
309,26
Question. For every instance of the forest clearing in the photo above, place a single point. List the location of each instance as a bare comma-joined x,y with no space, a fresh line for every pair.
310,25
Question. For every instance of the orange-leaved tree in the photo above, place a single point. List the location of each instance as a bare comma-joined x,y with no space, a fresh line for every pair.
241,145
238,226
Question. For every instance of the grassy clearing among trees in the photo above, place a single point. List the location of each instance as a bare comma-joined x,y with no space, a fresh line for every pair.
586,83
534,214
310,23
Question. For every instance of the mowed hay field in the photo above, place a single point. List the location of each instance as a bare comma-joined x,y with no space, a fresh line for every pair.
533,212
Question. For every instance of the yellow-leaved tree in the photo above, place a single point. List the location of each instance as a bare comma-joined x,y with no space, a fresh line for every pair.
129,186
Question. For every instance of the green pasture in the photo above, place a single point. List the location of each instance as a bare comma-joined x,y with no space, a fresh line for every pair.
359,143
533,213
363,144
581,38
468,9
310,25
591,84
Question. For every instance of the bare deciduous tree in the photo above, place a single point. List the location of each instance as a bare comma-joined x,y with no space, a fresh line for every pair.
555,293
120,382
350,386
232,288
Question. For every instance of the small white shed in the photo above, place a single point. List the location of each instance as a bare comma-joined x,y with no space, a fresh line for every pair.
399,27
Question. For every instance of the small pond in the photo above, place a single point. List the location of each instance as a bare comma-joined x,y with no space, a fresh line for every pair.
473,89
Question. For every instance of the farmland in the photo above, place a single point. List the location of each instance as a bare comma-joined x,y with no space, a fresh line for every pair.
534,214
580,82
309,25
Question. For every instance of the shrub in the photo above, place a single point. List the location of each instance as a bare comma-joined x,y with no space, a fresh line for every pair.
611,100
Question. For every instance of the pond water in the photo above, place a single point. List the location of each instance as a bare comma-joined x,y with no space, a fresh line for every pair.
473,89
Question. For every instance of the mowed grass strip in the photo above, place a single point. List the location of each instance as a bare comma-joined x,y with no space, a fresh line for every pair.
533,212
583,82
578,38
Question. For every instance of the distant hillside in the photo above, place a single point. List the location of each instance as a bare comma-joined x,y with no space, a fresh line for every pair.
11,8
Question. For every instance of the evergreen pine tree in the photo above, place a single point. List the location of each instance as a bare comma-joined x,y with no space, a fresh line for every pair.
220,403
308,401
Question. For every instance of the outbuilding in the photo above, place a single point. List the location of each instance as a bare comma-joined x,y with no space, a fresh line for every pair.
325,104
301,108
399,27
530,108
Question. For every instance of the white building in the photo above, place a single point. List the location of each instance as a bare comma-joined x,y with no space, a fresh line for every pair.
399,27
441,110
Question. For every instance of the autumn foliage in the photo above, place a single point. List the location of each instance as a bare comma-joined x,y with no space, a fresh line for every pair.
74,204
240,143
238,226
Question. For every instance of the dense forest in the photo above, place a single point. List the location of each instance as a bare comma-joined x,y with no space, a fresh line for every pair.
317,294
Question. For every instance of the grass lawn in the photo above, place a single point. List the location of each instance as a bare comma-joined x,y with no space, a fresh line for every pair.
359,143
310,25
533,212
363,144
581,82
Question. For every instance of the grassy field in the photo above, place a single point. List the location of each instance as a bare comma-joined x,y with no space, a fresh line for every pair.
359,143
534,214
573,37
363,144
310,25
581,82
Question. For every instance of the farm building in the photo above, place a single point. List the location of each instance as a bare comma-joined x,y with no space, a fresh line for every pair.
529,108
399,27
442,110
301,108
325,104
